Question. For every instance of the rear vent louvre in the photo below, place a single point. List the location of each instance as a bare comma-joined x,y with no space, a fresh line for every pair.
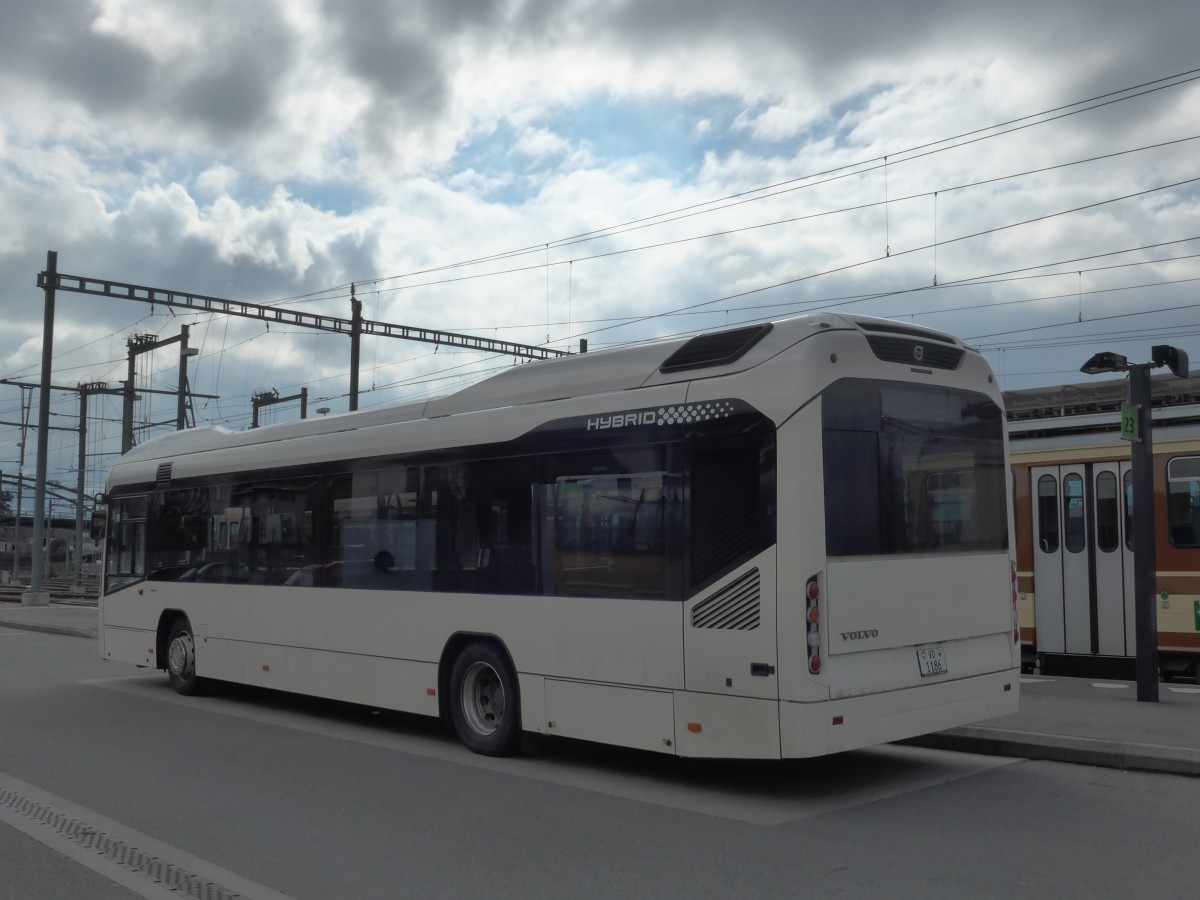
909,352
163,477
717,349
898,328
735,607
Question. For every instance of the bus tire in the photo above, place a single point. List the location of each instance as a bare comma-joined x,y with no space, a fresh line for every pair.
485,705
181,659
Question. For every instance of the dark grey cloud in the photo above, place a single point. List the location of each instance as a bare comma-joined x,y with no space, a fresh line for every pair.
51,42
235,91
403,68
403,49
1087,44
224,84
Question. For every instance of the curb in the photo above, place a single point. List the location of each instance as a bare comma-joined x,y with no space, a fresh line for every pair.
50,628
71,630
1061,748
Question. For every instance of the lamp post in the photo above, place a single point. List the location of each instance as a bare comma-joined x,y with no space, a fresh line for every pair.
1136,426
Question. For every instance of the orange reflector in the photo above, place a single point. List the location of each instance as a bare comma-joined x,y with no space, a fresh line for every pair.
266,668
694,727
432,692
813,614
837,720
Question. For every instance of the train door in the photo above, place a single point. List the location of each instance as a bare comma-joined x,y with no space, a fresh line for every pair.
1113,559
1083,565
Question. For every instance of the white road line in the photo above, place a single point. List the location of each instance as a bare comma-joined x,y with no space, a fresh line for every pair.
102,865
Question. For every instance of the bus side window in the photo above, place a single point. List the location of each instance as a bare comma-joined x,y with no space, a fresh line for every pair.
605,524
126,553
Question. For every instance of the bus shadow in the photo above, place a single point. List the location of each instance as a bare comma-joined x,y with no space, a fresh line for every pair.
760,791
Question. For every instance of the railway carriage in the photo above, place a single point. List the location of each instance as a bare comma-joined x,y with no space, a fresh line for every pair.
1073,495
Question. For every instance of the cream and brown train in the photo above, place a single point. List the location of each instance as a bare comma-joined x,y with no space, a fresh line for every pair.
1073,496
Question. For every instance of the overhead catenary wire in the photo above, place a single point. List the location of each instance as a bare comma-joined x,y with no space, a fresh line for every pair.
755,194
915,152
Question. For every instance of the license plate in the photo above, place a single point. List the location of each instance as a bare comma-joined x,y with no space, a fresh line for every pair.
932,661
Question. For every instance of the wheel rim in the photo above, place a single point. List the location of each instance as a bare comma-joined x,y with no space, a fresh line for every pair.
181,656
482,698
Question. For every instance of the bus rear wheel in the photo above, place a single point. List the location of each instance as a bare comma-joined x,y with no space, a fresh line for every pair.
181,659
485,705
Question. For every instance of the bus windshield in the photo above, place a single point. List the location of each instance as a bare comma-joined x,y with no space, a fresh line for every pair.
912,469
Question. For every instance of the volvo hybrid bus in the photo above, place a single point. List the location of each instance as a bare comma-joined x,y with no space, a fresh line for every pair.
780,540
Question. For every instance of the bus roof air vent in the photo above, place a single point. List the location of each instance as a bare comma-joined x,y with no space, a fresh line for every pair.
162,477
910,345
717,349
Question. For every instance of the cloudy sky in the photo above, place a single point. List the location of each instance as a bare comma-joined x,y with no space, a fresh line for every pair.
1024,175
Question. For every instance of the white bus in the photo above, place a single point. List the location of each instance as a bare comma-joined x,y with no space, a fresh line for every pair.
781,540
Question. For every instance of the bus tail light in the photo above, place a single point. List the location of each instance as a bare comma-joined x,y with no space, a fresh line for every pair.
812,592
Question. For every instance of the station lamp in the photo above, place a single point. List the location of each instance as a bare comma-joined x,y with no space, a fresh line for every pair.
1105,361
1136,423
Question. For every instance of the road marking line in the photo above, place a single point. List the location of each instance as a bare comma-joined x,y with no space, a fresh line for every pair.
147,867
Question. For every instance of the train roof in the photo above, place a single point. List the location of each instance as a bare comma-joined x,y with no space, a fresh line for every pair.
708,354
1093,406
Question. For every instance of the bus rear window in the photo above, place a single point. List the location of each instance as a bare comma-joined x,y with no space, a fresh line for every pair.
912,469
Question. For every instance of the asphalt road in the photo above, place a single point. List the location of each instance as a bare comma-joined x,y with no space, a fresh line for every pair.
111,785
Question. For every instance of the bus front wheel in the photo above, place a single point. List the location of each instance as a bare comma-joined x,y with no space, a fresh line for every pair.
485,706
181,659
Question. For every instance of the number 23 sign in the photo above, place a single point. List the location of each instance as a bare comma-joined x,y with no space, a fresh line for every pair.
1129,422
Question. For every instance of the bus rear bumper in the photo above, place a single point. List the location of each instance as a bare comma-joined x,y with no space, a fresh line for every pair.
814,729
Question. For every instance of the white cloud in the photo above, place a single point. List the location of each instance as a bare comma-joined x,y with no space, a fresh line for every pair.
776,123
278,149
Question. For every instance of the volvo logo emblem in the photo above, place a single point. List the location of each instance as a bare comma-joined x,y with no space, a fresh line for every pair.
918,352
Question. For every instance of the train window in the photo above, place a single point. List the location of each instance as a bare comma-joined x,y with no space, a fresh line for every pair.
1048,513
1073,514
1127,485
1183,501
1107,512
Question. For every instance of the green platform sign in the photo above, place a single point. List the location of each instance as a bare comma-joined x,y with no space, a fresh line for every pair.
1129,422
